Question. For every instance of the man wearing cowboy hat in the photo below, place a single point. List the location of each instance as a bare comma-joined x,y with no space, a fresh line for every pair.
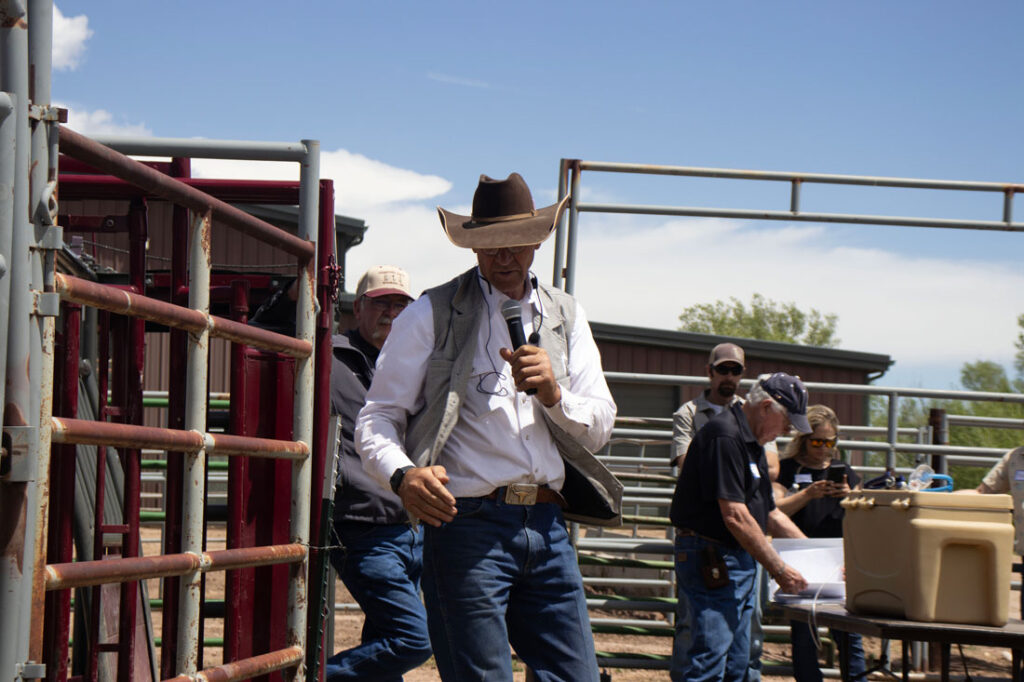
490,446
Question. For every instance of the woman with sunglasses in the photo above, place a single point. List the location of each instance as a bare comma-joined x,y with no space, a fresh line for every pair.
812,501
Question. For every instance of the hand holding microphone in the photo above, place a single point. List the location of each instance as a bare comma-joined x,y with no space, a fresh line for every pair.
531,368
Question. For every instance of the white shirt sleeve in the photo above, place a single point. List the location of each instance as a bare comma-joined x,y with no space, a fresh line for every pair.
396,392
586,411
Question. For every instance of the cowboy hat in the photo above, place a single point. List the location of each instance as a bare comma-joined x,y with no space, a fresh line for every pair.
503,216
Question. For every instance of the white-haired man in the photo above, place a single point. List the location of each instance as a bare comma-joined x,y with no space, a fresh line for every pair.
721,508
487,443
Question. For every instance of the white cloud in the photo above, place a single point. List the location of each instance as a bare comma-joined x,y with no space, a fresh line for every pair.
918,310
69,36
457,80
101,122
360,183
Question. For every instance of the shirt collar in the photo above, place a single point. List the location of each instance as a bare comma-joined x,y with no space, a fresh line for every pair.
495,298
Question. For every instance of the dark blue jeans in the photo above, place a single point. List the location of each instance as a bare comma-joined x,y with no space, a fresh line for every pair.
381,566
714,640
805,654
500,574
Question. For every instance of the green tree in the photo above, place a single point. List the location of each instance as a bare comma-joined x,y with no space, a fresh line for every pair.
981,375
763,319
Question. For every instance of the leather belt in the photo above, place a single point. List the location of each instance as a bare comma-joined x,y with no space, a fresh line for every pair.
526,494
688,533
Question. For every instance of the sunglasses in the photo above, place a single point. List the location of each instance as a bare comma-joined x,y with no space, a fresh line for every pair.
514,250
822,442
734,370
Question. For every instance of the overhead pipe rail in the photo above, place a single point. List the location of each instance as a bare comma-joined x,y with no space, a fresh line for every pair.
571,170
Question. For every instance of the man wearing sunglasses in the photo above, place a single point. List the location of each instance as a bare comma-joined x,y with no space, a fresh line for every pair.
725,369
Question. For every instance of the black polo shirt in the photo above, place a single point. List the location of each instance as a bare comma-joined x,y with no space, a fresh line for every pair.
820,518
724,462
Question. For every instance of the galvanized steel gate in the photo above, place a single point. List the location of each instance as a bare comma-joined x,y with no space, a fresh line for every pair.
34,631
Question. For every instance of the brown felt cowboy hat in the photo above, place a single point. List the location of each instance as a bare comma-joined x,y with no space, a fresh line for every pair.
503,216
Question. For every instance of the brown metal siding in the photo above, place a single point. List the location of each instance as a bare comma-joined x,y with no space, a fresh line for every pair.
660,401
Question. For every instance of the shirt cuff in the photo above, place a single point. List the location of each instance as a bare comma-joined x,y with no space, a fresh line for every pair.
569,412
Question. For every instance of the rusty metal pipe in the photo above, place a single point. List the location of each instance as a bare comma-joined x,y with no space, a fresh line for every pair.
107,160
246,557
124,302
106,571
246,668
85,573
250,446
238,332
88,432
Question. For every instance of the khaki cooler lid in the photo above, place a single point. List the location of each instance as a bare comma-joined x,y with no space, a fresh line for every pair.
923,498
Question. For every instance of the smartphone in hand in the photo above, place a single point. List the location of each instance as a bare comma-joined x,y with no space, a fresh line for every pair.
836,472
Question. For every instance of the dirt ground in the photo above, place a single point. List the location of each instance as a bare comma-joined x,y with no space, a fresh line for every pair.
982,663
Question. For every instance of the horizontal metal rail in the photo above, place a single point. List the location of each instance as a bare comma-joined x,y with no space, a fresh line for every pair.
851,389
246,668
244,150
796,181
86,432
115,163
117,300
822,178
87,573
984,422
789,216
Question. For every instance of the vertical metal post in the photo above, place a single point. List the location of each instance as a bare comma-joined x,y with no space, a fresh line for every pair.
939,422
556,276
175,420
43,213
892,430
61,541
194,491
570,258
321,512
8,152
305,323
18,493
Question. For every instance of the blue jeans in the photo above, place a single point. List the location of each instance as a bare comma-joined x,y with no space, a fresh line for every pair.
381,565
713,639
805,654
500,574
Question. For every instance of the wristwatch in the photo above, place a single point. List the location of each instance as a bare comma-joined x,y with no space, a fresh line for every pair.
396,478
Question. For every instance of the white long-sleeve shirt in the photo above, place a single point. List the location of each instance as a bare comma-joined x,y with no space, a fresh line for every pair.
501,436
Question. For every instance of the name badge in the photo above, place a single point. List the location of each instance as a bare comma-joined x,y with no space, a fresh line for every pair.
1018,475
803,478
754,471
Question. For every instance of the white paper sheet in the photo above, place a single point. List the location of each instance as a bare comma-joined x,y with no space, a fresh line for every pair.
820,561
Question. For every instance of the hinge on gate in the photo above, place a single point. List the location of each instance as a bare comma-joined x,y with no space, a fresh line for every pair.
38,112
31,670
46,303
18,467
52,238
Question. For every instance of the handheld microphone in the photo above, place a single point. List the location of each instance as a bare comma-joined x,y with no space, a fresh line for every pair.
512,311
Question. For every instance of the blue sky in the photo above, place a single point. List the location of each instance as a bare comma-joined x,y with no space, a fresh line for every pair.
412,101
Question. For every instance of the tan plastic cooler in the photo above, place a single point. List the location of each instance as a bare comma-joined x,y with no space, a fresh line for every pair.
928,556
